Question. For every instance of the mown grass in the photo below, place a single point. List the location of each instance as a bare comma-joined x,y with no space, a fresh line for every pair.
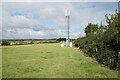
0,62
50,61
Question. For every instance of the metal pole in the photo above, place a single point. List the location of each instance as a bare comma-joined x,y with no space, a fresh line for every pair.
68,29
67,13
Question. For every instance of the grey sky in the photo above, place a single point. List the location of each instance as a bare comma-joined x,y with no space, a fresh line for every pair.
46,20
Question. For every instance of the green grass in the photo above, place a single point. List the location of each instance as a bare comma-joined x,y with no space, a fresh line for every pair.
0,62
50,61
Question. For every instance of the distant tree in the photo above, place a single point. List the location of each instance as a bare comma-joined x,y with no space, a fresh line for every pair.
5,43
61,39
91,28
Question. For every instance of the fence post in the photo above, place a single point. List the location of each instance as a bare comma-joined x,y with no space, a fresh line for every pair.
119,55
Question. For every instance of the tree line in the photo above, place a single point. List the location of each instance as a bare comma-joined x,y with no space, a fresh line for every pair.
103,42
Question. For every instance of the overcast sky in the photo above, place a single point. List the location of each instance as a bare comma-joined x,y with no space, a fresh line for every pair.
46,20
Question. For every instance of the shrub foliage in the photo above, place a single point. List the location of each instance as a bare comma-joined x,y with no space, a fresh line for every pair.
5,43
103,42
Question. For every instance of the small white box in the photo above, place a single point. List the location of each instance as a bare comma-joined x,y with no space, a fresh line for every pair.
70,44
62,45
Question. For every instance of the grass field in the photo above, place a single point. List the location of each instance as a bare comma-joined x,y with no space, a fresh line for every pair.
50,61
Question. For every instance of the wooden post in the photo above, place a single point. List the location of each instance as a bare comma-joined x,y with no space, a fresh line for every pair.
118,54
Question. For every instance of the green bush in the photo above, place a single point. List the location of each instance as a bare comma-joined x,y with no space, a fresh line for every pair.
5,43
104,44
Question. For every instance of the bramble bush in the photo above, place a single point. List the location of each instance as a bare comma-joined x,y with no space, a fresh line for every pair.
103,42
5,43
